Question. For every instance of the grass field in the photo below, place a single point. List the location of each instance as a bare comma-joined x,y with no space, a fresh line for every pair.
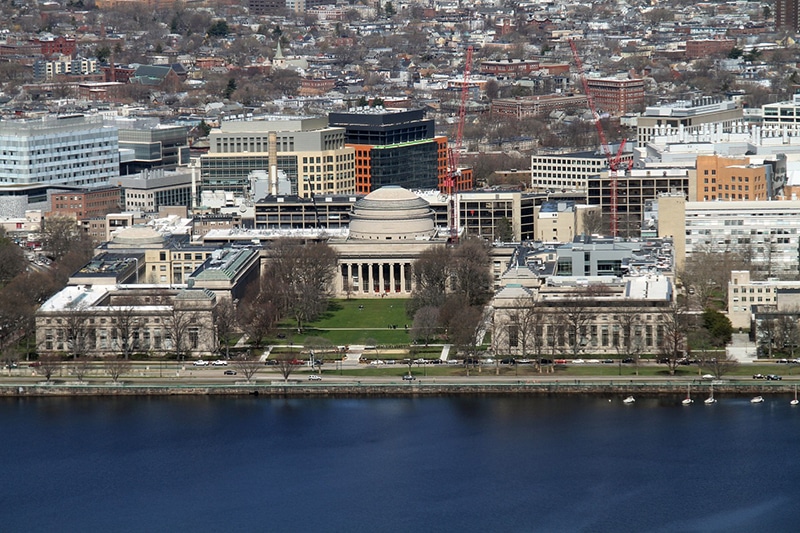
355,322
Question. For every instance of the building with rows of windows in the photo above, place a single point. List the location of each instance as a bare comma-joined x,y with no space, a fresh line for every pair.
311,154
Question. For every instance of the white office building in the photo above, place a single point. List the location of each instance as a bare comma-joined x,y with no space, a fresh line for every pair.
70,151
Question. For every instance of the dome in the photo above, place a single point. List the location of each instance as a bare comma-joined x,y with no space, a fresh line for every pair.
391,213
138,235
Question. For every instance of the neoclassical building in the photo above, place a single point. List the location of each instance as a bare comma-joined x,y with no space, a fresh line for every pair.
389,228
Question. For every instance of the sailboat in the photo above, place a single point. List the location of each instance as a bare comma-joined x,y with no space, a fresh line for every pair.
710,399
795,401
688,400
757,399
629,400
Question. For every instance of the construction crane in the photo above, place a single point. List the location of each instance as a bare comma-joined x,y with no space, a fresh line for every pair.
614,161
454,154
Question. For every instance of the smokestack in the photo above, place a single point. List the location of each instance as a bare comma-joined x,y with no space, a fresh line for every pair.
273,163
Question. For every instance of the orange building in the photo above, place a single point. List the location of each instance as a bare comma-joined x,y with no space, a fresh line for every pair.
87,203
730,178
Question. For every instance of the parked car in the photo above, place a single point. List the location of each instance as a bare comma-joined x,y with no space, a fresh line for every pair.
578,361
708,376
758,376
508,361
220,362
314,377
628,360
773,377
230,372
408,377
200,362
608,361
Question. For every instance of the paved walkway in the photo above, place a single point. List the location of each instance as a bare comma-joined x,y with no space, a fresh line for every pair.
741,349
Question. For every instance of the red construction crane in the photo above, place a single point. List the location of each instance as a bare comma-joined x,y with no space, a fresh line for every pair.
614,161
454,154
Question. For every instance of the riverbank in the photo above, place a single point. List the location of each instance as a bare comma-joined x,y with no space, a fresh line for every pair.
416,388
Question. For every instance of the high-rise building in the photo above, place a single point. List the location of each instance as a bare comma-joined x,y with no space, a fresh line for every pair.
396,147
616,96
312,155
56,152
787,15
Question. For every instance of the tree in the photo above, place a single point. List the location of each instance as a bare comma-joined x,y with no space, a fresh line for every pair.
257,314
125,323
425,325
230,88
630,346
430,272
77,332
576,313
672,347
470,268
59,234
178,323
718,364
116,368
767,334
12,259
247,364
317,348
80,367
225,324
286,364
787,333
49,364
718,326
465,332
592,222
219,28
526,328
504,230
303,274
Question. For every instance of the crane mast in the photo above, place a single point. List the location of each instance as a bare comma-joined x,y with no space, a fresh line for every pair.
455,154
613,160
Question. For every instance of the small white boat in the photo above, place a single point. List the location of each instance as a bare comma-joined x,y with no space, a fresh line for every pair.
629,400
757,399
710,399
795,401
688,400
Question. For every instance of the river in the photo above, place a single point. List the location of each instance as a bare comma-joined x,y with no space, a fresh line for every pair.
398,464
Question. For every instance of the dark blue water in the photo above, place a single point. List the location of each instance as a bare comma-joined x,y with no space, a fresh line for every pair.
434,464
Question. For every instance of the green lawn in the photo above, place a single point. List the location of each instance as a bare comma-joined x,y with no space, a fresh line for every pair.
354,322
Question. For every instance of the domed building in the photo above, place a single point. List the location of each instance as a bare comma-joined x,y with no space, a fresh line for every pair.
389,228
391,213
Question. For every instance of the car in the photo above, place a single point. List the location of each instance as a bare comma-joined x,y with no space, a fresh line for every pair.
200,362
220,362
508,361
408,377
608,361
627,360
524,361
773,377
545,361
758,376
271,362
230,372
578,361
708,376
314,377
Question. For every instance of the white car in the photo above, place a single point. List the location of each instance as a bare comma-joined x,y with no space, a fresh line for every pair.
708,376
200,362
220,362
578,361
314,377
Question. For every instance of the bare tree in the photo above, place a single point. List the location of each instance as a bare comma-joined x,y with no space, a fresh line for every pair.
425,325
116,368
576,314
257,315
592,220
77,332
178,323
631,344
125,323
470,268
225,324
60,234
673,345
430,271
12,259
80,367
788,333
49,364
286,364
247,364
718,364
464,333
303,274
767,333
